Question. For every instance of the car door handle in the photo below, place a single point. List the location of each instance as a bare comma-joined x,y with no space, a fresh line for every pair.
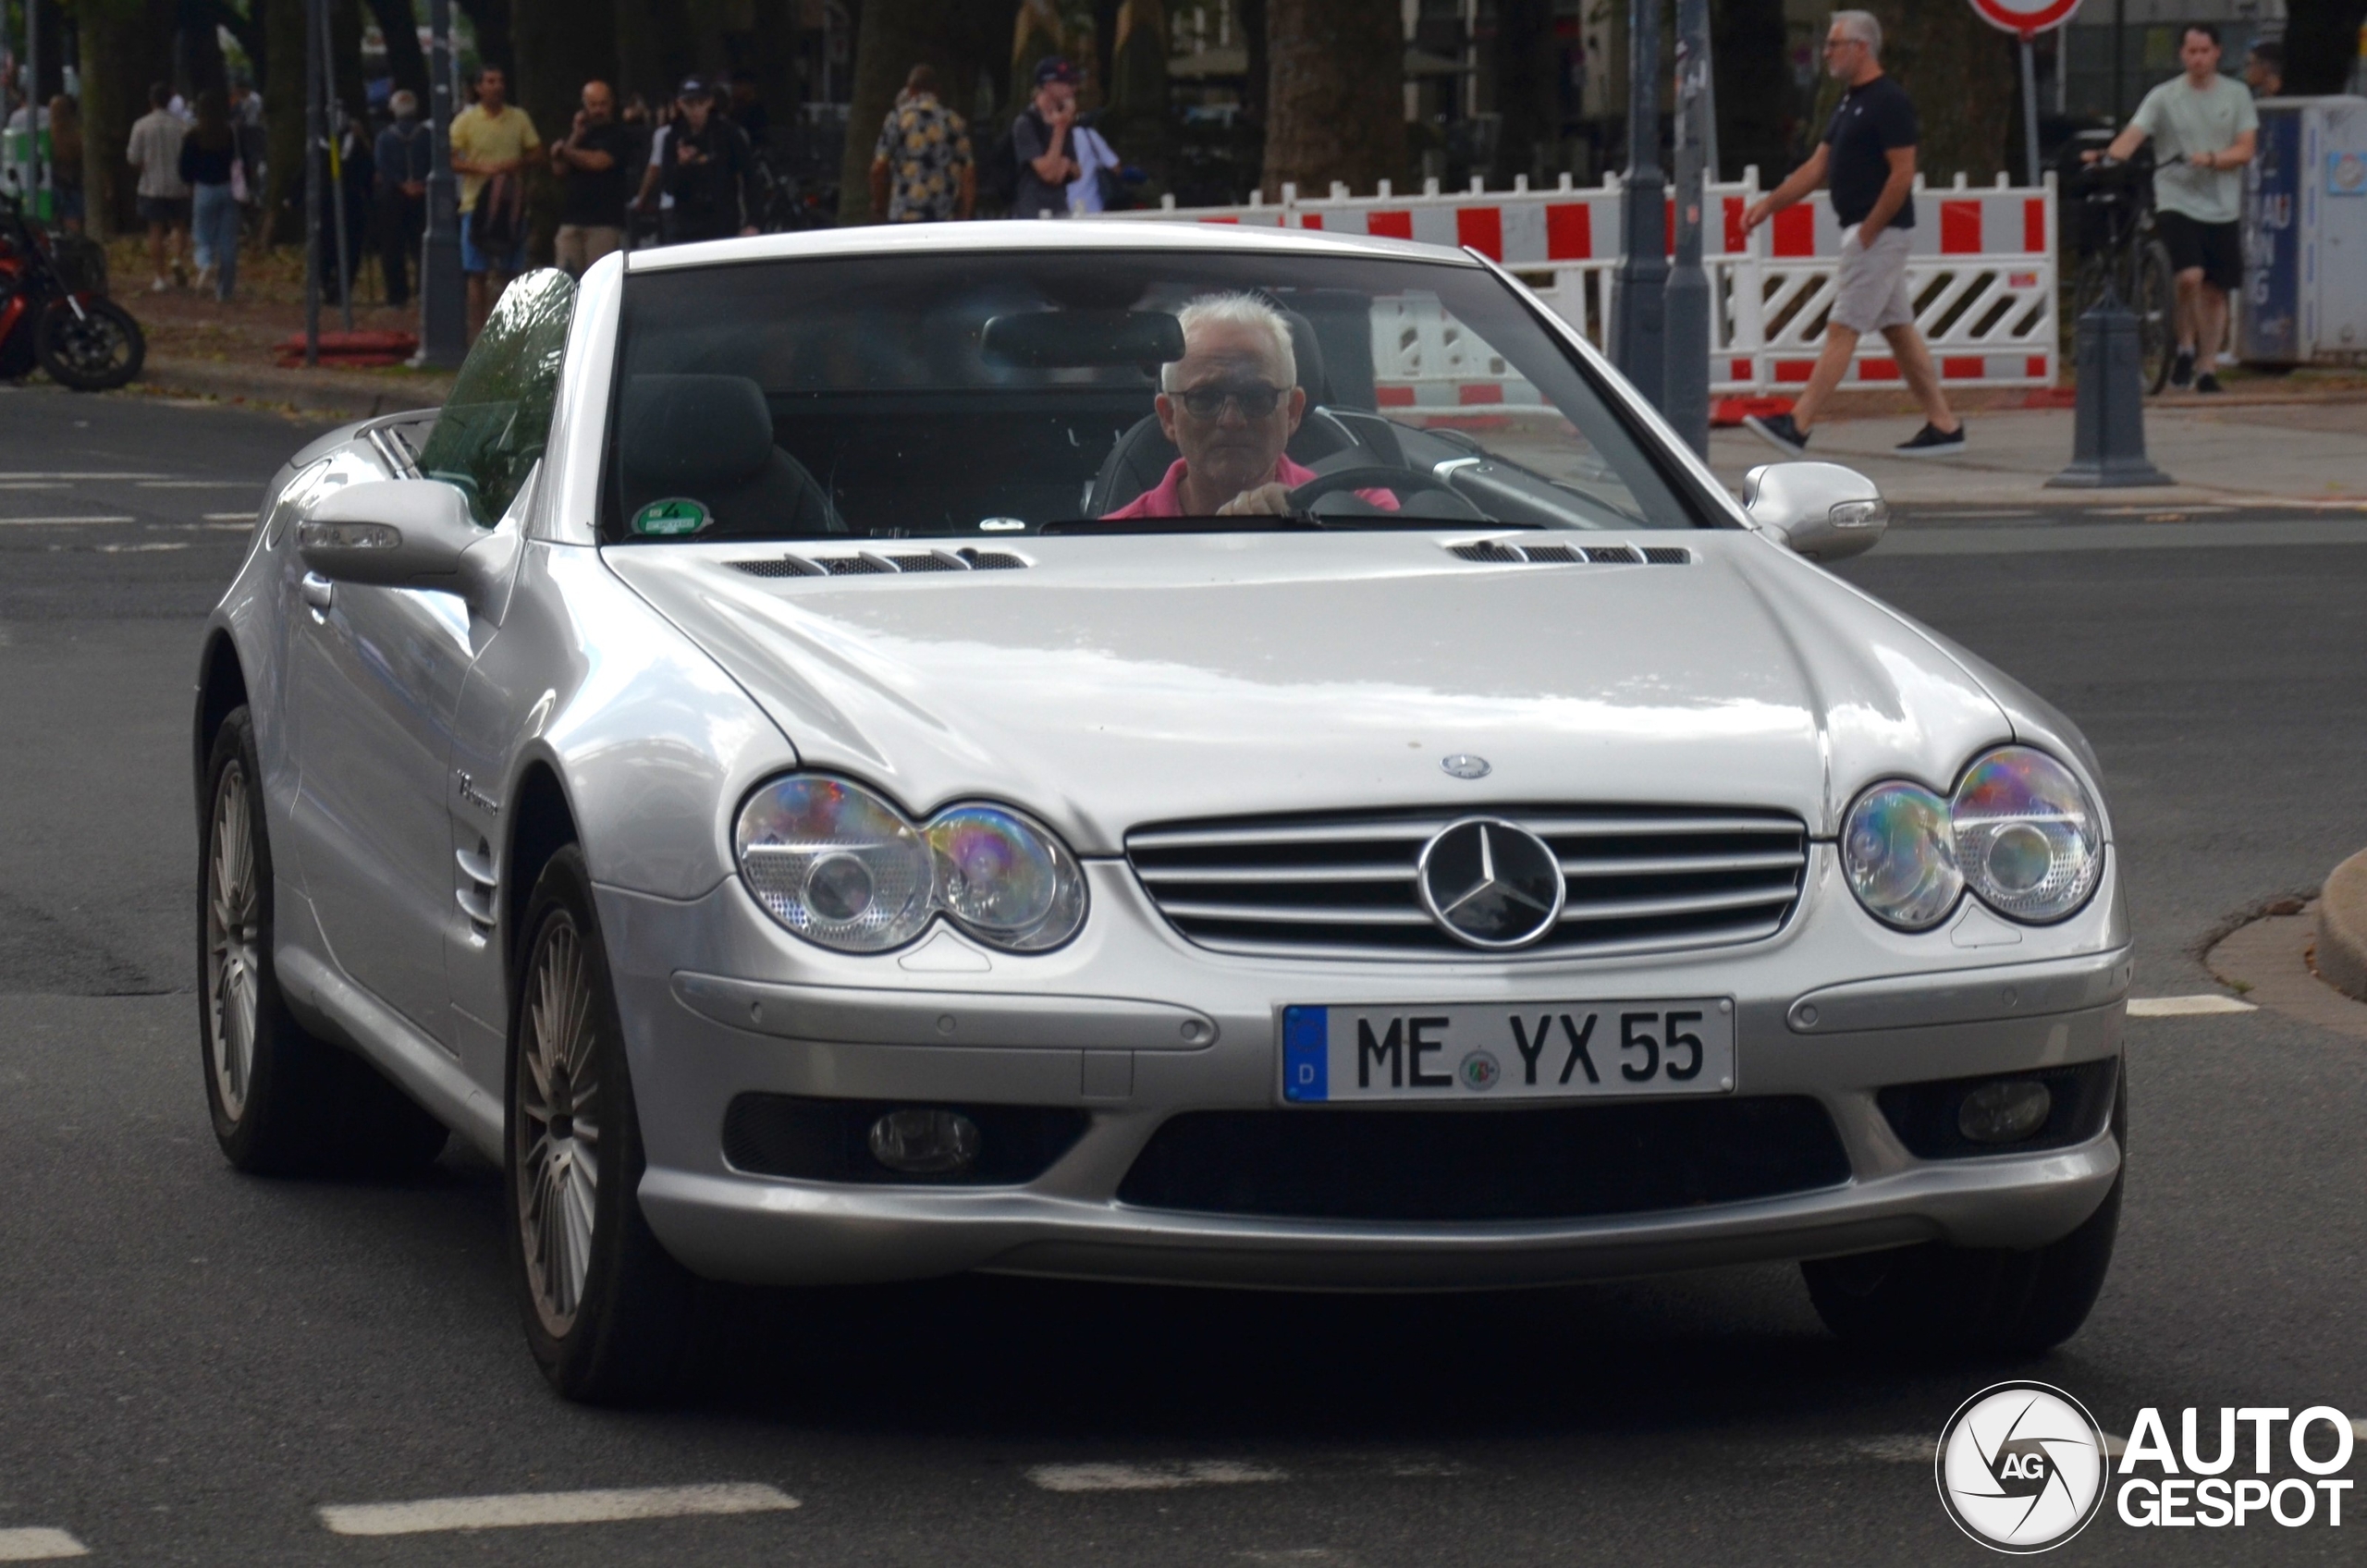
318,591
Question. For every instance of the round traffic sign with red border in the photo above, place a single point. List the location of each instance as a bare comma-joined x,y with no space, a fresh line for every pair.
2026,16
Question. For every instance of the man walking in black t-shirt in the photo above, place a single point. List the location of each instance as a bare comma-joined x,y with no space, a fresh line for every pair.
1867,157
704,164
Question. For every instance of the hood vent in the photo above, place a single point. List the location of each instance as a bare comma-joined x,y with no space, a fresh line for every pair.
867,563
1506,552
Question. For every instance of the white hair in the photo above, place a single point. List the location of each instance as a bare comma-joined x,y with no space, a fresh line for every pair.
1863,26
1236,310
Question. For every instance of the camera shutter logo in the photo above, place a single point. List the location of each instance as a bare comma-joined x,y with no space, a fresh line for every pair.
2022,1467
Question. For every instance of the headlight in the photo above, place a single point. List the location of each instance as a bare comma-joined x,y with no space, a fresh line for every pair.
1004,879
2027,835
1900,856
835,863
841,867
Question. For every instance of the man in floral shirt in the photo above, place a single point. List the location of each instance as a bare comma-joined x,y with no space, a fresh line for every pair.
921,172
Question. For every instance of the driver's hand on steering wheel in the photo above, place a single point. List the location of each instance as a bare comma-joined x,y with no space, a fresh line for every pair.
1266,500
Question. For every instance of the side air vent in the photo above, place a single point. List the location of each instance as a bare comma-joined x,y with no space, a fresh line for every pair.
1507,552
867,564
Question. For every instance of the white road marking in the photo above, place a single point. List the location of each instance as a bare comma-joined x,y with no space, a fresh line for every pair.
1151,1477
1912,1448
196,483
227,517
2184,1007
36,484
9,476
56,521
141,549
515,1509
39,1545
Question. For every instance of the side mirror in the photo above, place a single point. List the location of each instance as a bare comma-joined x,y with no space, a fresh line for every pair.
393,533
1821,510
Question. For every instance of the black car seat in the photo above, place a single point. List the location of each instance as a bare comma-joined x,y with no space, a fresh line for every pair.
1143,455
711,439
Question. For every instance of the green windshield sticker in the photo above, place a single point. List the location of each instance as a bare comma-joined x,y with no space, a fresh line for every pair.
675,514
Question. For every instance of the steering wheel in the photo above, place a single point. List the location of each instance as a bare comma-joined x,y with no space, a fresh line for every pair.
1373,477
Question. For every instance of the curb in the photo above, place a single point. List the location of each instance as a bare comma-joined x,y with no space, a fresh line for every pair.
2342,928
346,394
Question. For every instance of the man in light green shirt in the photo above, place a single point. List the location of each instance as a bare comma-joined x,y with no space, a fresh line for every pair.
2207,121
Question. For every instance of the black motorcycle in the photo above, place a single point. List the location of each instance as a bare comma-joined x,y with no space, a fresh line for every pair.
55,311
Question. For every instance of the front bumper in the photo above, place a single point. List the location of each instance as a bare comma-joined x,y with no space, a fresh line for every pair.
1133,1025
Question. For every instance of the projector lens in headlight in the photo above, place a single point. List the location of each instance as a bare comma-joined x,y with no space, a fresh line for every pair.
841,866
1900,856
835,863
2027,835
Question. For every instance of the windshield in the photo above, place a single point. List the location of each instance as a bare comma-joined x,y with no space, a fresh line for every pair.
1007,392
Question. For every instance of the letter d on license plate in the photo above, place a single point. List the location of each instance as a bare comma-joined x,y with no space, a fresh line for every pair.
1534,1050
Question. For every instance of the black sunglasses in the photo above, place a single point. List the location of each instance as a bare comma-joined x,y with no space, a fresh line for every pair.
1207,402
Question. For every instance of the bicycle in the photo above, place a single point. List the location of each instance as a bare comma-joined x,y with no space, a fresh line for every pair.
2122,253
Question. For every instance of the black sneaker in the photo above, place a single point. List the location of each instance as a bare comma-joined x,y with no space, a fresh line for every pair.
2206,382
1779,432
1932,442
2182,368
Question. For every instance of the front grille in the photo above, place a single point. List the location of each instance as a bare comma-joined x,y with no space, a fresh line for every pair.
1640,879
1566,1162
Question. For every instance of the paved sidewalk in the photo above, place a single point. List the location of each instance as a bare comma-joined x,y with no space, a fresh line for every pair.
2303,455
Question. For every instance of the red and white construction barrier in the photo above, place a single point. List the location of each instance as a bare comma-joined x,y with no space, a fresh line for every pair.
1982,274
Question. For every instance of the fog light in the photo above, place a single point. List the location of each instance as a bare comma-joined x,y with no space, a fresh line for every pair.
2004,1112
929,1142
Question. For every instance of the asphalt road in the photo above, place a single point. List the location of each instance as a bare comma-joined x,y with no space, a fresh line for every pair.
193,1364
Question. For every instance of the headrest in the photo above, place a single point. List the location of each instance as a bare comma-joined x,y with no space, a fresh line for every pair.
695,433
1308,351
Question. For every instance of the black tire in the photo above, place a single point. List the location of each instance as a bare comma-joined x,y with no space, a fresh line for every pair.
610,1323
1939,1301
2156,304
98,350
283,1102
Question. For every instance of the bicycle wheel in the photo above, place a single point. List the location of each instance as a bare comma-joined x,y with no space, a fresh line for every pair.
2157,322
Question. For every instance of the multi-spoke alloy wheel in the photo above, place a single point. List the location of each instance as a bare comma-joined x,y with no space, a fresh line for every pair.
233,932
608,1313
557,1127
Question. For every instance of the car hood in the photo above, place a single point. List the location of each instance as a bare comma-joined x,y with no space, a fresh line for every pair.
1105,684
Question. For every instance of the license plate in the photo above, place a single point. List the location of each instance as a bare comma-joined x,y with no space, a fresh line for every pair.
1533,1051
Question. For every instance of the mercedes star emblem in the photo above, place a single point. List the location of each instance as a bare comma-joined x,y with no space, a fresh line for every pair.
1490,883
1463,765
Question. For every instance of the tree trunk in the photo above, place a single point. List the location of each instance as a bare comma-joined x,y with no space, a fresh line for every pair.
560,45
406,61
653,49
1335,102
2321,45
1527,89
283,113
491,20
955,38
1747,53
126,44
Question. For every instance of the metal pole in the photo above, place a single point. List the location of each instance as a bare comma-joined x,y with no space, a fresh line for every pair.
443,319
2119,40
1685,400
1643,272
36,199
2029,112
334,119
311,184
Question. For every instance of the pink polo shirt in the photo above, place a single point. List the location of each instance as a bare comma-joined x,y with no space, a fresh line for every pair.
1166,498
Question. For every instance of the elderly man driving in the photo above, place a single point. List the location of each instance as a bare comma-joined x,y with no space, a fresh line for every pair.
1230,405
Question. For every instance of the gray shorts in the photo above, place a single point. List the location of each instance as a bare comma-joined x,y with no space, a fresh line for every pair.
1869,291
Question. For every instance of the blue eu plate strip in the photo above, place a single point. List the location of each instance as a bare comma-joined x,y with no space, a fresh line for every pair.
1306,1053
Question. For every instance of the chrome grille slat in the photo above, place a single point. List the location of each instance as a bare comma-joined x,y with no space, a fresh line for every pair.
1639,879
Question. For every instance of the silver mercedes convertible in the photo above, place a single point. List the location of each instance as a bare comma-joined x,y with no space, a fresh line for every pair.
1141,753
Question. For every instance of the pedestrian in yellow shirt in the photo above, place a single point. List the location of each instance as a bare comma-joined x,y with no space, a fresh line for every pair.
491,140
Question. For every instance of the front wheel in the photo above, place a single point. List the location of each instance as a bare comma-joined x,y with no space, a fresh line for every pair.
1935,1300
607,1312
95,350
2156,304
